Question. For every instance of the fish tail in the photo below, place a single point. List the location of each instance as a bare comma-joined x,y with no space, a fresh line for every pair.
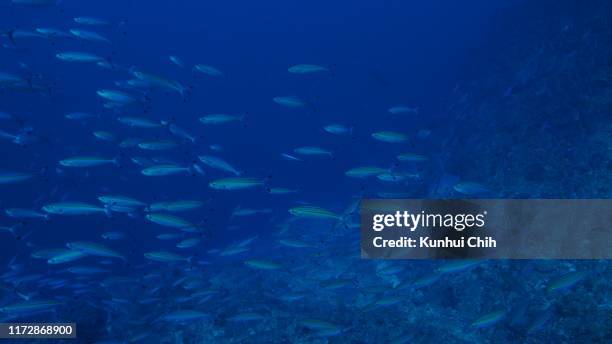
194,170
13,230
10,35
116,161
108,211
184,92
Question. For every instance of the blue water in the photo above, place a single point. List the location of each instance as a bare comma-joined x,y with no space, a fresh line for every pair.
511,95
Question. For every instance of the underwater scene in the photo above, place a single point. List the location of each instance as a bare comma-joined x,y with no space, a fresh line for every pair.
191,171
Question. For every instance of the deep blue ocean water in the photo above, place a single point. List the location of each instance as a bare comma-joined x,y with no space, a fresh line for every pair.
512,96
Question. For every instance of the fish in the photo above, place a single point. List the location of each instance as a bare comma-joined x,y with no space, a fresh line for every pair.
121,201
311,150
166,170
169,236
317,324
292,297
137,122
79,115
113,235
220,119
208,70
107,64
239,211
48,253
37,3
76,56
116,97
91,21
539,321
365,172
247,242
336,283
262,264
282,191
86,270
94,249
411,157
338,129
89,36
566,281
65,257
400,109
219,164
166,257
426,280
390,136
471,188
7,79
238,183
52,32
176,60
159,81
289,101
188,243
314,212
14,177
174,206
25,213
135,84
184,316
247,316
87,161
169,220
158,145
73,208
458,265
290,157
307,69
396,176
383,302
233,250
489,319
294,243
104,135
30,306
180,132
